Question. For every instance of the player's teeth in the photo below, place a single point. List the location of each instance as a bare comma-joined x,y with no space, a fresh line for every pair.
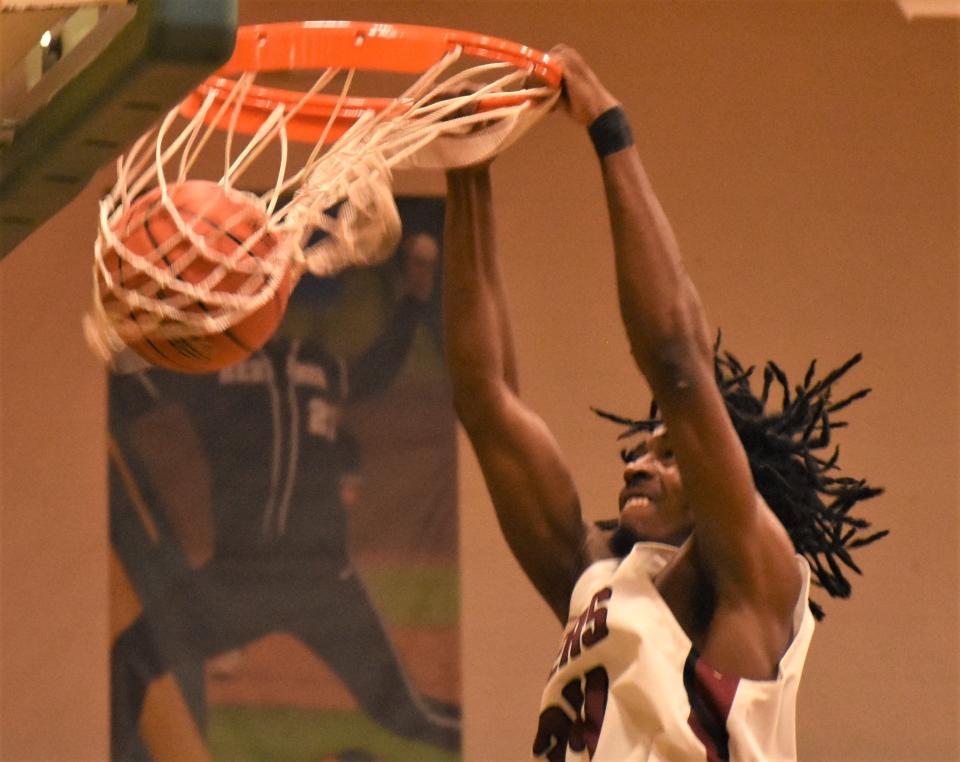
638,501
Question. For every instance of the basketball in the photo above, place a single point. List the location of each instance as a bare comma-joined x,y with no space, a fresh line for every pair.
233,259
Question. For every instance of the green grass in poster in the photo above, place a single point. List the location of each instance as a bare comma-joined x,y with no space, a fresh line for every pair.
273,734
415,596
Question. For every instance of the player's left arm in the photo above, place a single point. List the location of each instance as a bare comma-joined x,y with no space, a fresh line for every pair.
740,545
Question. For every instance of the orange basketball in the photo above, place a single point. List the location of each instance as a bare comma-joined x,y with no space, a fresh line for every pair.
228,223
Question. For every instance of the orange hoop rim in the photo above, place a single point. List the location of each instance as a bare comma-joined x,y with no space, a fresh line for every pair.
306,45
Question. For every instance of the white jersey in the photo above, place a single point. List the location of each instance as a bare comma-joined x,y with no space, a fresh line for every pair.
628,685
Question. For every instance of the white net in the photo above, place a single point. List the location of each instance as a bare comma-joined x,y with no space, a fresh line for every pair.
178,257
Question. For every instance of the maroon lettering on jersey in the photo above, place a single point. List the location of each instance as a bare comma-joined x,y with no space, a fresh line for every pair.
553,734
597,619
595,707
570,645
588,629
586,698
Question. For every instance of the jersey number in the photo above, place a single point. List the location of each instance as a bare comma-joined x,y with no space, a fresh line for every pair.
587,697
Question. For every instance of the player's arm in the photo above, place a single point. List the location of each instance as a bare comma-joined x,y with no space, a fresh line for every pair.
740,545
532,490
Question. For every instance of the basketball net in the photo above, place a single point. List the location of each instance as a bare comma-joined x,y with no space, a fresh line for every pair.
342,195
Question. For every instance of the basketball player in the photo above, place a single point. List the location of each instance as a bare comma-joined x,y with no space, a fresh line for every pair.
283,474
687,619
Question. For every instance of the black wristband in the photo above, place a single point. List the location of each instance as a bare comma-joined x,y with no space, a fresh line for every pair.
610,132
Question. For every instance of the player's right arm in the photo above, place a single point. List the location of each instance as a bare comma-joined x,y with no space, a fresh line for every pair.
531,487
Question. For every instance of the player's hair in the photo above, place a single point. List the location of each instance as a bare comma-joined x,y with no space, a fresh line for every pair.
806,492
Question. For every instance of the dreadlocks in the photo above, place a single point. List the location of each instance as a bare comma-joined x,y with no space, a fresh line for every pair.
804,490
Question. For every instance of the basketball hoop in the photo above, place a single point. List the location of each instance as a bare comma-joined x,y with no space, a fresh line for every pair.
471,99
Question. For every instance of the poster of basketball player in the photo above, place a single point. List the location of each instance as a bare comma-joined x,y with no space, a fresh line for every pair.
287,529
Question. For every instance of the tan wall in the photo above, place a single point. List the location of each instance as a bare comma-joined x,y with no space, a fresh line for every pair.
53,528
807,155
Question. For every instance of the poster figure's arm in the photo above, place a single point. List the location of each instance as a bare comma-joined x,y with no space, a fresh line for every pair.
166,445
378,366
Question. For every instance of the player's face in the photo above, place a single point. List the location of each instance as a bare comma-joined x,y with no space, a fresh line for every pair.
652,503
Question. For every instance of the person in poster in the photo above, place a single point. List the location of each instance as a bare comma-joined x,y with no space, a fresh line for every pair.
257,475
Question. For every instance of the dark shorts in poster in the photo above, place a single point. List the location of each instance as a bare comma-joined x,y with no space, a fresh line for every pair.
285,534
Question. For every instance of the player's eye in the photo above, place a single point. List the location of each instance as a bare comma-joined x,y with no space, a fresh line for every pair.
663,449
628,455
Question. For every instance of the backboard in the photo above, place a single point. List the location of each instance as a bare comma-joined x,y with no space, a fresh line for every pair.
80,80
